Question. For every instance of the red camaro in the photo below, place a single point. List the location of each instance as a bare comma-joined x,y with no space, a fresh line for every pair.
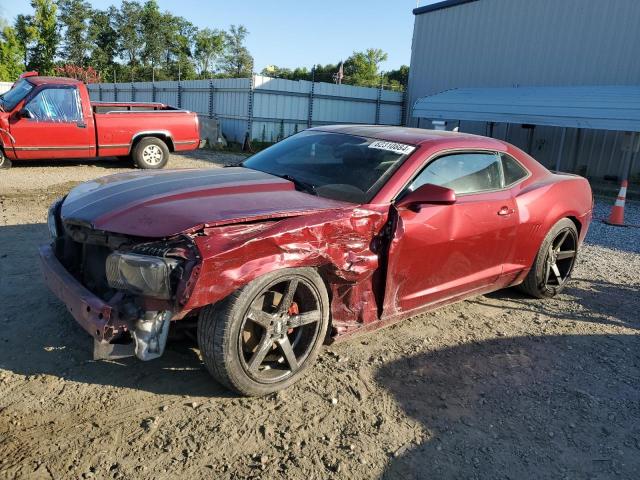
333,231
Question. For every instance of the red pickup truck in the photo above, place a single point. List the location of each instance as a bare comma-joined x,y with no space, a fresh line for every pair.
53,117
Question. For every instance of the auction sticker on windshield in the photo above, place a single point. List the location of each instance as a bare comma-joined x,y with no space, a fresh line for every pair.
400,148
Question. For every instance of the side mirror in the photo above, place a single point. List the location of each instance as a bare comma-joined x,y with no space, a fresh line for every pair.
25,113
427,194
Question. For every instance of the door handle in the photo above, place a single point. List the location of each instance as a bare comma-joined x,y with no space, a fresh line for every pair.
504,211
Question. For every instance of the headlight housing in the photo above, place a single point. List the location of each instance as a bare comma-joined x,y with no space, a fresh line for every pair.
52,218
141,274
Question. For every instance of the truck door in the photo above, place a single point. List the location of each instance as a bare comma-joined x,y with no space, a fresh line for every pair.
51,124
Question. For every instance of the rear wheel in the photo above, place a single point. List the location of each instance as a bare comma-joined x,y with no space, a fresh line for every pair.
263,337
554,262
150,153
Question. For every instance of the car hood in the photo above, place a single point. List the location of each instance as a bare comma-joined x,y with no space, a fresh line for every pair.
167,202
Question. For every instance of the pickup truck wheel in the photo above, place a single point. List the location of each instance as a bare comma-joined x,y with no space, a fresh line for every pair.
5,163
263,337
554,262
151,153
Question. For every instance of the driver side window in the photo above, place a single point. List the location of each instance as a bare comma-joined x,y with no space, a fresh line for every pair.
464,173
55,105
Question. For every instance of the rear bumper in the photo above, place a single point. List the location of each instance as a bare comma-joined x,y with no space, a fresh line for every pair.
100,319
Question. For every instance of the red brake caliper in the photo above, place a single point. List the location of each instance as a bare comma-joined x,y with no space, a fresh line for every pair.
293,310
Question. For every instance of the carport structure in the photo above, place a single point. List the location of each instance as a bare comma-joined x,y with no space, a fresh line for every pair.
608,108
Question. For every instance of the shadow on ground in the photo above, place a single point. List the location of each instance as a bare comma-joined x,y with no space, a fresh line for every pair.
524,407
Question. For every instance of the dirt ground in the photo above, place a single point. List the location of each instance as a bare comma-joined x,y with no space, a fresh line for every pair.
498,387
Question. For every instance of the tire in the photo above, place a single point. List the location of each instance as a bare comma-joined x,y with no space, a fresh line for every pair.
5,163
554,262
244,338
150,153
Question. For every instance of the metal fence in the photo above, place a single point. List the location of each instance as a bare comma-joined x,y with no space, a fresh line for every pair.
266,108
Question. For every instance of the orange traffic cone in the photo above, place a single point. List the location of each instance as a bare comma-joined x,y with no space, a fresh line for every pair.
616,217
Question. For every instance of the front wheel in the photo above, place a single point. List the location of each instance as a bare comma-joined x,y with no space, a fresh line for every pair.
554,262
5,163
150,153
263,337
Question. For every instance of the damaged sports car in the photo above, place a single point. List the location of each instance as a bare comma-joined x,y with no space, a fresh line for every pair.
333,231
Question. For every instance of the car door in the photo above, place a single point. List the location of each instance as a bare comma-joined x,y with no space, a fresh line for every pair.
444,251
56,128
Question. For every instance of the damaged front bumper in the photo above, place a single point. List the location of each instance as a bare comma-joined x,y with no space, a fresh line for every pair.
105,321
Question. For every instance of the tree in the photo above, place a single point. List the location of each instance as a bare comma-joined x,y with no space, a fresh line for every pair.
75,16
151,20
236,61
179,57
129,30
11,55
361,68
104,42
209,45
44,31
24,35
300,73
398,77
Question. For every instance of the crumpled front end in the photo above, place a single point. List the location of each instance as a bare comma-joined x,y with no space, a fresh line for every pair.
124,291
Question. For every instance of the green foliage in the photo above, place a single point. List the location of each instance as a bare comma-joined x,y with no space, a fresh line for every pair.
236,60
103,38
209,44
138,42
43,30
75,17
362,68
11,55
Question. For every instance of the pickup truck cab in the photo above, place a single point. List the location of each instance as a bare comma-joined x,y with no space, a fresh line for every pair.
54,118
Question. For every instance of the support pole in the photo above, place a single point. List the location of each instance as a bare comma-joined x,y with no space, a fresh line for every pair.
212,93
530,133
311,92
561,149
378,100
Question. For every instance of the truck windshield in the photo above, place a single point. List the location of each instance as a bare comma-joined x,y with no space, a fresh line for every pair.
10,99
333,165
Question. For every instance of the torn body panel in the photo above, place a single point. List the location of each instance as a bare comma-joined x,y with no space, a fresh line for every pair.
340,242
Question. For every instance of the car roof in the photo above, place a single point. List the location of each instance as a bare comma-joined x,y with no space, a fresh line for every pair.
412,136
36,80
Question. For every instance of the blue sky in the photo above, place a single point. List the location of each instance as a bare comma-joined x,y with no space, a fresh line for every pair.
291,33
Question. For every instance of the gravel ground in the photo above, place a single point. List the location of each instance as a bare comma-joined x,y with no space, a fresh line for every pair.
499,386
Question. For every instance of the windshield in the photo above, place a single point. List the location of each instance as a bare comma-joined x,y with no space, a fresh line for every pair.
333,165
11,98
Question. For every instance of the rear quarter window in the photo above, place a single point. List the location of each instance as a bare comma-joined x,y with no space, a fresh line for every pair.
513,170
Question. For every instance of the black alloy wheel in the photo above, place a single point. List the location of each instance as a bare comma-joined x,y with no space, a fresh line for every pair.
554,262
262,338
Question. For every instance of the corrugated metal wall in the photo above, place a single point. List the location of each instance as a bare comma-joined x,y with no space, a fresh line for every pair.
269,107
503,43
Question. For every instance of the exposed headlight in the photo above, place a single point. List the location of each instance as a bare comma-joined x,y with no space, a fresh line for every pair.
52,216
141,274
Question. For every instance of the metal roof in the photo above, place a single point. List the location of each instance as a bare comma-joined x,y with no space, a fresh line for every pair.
594,107
440,6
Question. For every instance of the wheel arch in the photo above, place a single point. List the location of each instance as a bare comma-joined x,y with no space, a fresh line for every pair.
165,136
